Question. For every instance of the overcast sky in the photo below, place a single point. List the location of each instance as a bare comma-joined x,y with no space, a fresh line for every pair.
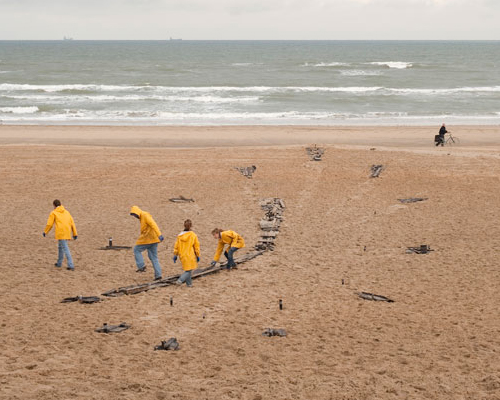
250,19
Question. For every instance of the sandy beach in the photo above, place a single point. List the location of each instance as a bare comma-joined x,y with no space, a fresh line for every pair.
343,233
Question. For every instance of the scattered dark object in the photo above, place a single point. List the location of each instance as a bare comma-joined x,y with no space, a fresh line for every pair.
181,199
281,304
375,297
171,301
113,328
170,344
422,249
110,242
413,199
82,299
274,332
315,153
246,171
376,170
373,148
342,281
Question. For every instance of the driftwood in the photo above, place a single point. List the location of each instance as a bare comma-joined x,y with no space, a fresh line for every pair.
113,328
376,170
170,344
374,297
246,171
115,248
274,332
315,153
168,281
413,199
181,199
422,249
81,299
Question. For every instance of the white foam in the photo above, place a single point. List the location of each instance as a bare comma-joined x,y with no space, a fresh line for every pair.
19,110
393,64
326,64
359,72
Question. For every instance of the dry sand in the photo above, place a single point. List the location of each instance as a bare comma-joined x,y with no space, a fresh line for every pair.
440,339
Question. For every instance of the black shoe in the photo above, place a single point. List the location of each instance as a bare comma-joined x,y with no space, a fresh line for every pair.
141,269
158,279
70,269
57,265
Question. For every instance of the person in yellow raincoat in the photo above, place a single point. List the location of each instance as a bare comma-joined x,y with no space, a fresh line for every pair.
65,227
230,238
187,248
148,240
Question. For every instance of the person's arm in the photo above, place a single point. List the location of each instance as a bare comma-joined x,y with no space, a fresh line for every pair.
196,246
176,247
151,222
220,248
50,223
73,227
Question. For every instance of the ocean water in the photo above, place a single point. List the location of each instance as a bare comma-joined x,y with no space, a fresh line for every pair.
249,82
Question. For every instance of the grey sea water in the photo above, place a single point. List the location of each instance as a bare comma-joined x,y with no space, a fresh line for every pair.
249,82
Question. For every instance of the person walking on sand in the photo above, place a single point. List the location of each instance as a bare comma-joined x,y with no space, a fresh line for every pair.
65,227
187,248
230,238
148,240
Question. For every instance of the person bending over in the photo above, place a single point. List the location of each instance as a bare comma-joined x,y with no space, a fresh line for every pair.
439,139
234,242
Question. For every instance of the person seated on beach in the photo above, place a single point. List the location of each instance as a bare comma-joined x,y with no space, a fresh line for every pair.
187,248
231,238
148,240
65,227
439,139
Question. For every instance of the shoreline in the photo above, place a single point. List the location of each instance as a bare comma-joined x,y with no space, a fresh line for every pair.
486,137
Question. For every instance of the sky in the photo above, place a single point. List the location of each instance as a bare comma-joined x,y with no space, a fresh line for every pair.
250,19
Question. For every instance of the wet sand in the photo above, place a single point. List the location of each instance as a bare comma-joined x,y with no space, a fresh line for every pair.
439,340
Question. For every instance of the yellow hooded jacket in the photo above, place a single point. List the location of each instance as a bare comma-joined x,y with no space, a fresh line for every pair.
187,247
150,233
64,224
232,239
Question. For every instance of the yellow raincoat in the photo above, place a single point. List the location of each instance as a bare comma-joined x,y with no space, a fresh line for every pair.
150,233
64,224
187,247
232,239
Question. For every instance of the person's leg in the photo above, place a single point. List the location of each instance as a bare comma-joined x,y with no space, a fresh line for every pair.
153,256
189,282
184,277
60,253
230,259
139,260
67,253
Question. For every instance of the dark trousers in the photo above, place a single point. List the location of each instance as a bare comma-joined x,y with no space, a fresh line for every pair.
229,256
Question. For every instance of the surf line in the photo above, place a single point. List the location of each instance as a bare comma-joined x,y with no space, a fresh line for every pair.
269,227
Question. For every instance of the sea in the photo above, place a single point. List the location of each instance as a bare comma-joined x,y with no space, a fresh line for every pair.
181,82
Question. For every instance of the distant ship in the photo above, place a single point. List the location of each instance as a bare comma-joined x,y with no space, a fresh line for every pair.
67,38
176,40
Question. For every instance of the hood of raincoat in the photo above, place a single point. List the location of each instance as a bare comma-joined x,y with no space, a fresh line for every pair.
136,210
